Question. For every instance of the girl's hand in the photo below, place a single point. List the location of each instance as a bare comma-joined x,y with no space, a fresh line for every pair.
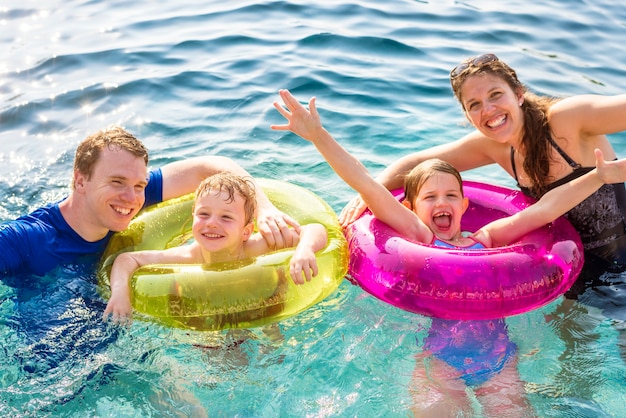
302,122
610,172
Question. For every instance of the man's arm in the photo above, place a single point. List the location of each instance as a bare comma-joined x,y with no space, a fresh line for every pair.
182,177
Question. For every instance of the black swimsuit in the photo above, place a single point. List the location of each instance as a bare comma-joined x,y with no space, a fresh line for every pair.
600,219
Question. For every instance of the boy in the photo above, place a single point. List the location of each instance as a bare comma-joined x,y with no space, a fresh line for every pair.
223,230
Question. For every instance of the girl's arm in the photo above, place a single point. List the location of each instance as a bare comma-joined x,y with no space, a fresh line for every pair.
553,204
381,202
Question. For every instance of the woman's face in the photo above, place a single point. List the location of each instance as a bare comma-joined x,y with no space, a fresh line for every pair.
493,108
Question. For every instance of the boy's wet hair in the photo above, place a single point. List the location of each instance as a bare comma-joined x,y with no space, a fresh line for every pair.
231,185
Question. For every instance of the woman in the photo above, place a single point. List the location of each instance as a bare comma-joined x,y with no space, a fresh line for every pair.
460,354
541,142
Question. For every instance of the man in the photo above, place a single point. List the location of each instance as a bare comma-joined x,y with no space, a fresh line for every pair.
110,186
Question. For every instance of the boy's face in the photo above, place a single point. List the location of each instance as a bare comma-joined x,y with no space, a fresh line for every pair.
440,205
219,225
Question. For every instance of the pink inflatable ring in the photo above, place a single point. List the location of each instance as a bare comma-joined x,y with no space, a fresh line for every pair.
467,284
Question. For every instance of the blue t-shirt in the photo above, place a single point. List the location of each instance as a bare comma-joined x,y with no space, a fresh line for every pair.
42,240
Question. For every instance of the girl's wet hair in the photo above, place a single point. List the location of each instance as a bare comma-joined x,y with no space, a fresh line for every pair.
415,179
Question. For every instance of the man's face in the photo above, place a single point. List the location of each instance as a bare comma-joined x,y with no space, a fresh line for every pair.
115,192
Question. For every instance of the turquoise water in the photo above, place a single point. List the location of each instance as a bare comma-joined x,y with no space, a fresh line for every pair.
193,78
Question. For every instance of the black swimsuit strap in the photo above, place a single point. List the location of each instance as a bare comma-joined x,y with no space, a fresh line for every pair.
566,157
580,171
513,165
558,149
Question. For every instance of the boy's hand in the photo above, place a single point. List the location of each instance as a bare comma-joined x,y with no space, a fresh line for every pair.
303,266
118,309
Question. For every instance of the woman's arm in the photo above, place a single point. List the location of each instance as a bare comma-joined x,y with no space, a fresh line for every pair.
589,114
472,151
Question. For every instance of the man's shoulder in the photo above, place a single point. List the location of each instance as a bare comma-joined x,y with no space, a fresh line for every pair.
43,220
50,213
27,243
154,190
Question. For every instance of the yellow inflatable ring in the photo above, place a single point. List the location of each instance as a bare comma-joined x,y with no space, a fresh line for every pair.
240,294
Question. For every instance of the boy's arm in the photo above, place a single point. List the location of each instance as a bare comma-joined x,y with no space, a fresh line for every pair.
553,204
125,264
303,265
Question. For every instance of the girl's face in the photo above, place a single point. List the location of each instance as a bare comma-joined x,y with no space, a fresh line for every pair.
220,226
493,108
440,205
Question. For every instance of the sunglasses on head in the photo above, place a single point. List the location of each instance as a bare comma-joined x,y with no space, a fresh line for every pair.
472,62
